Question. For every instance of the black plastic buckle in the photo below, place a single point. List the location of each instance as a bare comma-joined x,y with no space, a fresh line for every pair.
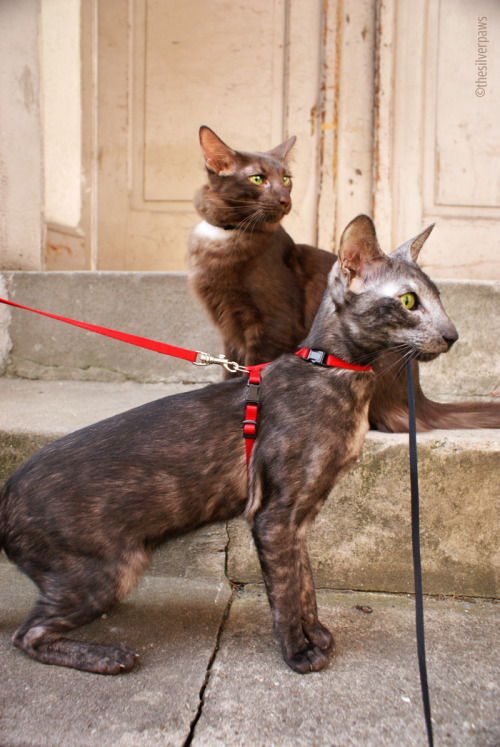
252,396
318,357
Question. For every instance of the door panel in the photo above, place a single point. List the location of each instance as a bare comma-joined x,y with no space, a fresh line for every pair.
164,72
193,67
438,140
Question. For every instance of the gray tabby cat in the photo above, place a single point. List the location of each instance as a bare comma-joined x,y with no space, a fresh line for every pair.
83,516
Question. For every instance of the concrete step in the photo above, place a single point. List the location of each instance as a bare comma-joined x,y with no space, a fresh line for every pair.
154,305
160,306
361,539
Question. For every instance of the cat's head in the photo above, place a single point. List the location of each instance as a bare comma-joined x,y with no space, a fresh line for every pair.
387,300
245,190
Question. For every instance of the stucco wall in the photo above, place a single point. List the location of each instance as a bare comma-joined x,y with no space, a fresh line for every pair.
60,60
20,137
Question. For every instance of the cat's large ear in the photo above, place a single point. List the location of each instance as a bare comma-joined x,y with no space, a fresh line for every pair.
219,157
280,151
359,247
410,250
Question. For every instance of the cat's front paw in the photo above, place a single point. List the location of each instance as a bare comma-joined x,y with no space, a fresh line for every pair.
319,636
310,660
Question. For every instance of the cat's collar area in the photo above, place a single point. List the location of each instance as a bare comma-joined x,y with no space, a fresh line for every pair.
207,230
321,358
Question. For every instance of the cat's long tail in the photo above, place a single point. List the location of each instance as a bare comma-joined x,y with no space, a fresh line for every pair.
389,408
3,501
445,415
458,414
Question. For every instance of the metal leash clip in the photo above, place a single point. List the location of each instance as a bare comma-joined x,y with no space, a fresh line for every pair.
205,359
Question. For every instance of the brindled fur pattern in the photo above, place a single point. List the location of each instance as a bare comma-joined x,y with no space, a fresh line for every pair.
83,516
262,290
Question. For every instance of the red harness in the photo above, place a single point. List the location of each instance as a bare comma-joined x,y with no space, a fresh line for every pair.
318,357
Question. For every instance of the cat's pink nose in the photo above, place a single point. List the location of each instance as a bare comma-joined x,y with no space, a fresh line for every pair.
285,200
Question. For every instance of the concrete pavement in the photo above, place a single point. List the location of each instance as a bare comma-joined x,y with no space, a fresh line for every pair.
210,673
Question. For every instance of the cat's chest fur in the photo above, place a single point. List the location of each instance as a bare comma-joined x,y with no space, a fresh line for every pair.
293,392
245,281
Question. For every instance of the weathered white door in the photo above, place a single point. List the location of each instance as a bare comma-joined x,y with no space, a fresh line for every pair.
395,105
437,150
167,67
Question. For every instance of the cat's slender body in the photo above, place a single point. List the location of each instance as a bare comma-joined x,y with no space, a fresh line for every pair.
83,516
262,290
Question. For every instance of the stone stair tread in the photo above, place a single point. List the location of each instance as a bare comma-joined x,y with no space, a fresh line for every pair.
361,538
161,306
59,407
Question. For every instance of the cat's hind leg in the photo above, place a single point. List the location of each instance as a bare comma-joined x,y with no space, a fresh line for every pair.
41,635
50,647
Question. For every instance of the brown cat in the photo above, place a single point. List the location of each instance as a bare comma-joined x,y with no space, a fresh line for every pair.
83,516
262,290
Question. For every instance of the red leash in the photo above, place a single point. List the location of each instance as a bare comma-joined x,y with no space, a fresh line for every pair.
193,356
318,357
143,342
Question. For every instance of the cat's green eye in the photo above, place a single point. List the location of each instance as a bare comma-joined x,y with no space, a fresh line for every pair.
408,300
286,180
256,178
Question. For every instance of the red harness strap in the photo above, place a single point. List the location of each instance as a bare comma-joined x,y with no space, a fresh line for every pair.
251,408
318,357
325,359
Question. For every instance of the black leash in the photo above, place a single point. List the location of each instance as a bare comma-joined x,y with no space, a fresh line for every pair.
417,566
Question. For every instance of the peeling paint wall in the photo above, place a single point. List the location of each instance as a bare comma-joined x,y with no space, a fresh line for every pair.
61,110
20,137
393,119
